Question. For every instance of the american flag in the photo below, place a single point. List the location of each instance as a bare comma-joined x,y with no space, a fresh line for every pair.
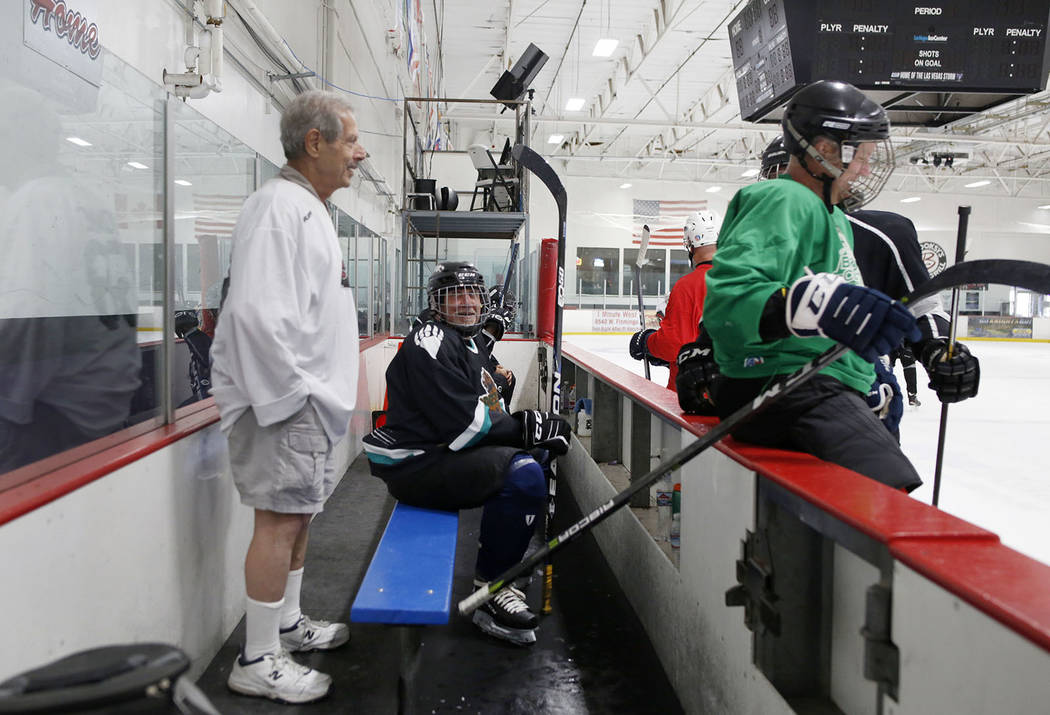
666,220
216,214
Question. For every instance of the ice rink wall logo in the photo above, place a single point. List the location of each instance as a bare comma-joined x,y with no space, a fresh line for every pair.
934,257
68,24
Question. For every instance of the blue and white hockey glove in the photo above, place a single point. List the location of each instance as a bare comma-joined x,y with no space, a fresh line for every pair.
545,430
953,379
861,318
885,398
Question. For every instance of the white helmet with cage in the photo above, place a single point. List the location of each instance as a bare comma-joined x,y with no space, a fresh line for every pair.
701,229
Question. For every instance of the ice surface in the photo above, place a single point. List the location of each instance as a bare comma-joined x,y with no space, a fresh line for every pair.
995,470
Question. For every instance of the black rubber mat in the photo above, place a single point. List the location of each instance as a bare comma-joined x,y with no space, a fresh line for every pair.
592,655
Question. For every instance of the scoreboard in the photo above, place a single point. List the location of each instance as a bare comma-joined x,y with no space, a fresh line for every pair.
971,46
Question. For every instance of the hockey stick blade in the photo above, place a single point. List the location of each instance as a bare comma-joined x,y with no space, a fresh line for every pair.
643,247
1001,271
1022,274
543,171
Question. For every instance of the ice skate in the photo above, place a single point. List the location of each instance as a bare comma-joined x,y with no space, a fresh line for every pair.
507,616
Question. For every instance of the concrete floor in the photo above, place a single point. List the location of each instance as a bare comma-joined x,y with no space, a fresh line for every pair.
592,655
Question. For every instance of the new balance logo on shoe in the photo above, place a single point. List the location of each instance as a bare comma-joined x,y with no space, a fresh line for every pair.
277,677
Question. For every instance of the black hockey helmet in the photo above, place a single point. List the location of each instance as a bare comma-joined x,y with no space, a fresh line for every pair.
775,159
842,113
458,278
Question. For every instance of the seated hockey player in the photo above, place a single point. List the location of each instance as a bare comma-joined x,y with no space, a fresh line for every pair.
685,305
785,285
887,250
449,443
886,246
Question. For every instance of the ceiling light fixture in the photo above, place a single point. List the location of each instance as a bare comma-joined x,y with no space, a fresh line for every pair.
604,47
575,104
137,165
1044,206
749,173
625,186
183,182
78,141
911,199
555,138
713,189
975,184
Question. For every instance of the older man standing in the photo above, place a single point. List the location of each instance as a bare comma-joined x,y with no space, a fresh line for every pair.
285,379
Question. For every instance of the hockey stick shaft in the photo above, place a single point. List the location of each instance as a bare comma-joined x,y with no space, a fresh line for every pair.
642,248
508,274
942,432
1026,274
543,171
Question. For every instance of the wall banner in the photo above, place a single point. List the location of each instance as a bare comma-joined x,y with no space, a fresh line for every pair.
620,321
998,326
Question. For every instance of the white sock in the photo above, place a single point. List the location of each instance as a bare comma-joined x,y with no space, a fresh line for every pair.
261,622
291,613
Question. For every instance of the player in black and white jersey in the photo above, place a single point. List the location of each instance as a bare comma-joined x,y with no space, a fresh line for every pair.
449,443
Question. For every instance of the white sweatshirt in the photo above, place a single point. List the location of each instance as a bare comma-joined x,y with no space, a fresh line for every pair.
288,329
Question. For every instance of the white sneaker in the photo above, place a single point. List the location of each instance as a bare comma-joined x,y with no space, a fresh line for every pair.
278,677
309,634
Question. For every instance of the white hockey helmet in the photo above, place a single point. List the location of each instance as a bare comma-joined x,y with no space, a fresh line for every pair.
701,229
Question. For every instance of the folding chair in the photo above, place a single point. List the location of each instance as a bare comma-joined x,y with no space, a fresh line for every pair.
498,189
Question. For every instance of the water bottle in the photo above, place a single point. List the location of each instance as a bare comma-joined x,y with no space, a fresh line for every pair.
676,516
664,497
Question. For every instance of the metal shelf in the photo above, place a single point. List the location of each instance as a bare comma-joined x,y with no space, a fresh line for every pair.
466,224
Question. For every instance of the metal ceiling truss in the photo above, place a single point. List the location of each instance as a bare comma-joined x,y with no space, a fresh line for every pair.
642,47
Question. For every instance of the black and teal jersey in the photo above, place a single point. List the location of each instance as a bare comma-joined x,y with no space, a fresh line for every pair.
441,397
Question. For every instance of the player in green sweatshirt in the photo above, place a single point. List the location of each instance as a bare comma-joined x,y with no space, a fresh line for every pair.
785,287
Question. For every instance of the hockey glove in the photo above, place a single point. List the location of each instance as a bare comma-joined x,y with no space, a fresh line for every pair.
639,351
501,317
545,430
861,318
697,372
638,341
185,322
885,398
953,379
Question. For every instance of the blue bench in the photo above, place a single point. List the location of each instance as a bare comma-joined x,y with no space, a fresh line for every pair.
409,581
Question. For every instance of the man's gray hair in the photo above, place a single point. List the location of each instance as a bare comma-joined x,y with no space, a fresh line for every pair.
315,109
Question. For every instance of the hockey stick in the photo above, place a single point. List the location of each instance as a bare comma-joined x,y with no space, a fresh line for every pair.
543,171
638,263
960,252
1024,274
508,274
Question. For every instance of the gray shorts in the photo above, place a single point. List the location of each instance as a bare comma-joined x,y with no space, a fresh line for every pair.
285,467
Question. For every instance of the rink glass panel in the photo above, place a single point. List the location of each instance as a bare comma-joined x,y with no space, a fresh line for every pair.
654,272
214,174
81,212
489,256
598,271
364,263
